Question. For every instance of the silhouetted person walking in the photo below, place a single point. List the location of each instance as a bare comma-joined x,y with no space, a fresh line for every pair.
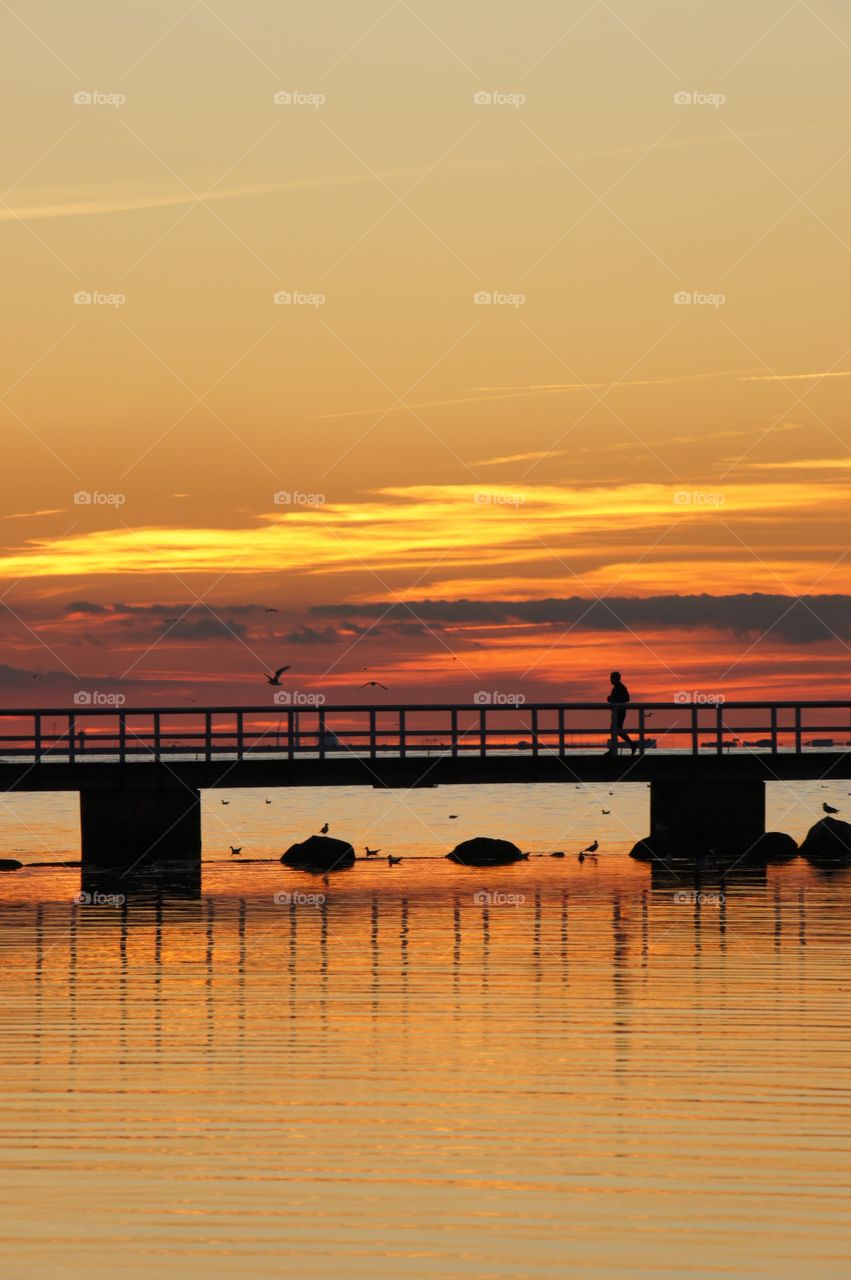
619,697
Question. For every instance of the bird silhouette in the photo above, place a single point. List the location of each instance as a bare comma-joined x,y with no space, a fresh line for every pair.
828,808
323,831
581,857
605,811
371,853
374,684
234,852
276,678
454,815
559,853
270,611
391,861
268,801
226,802
592,848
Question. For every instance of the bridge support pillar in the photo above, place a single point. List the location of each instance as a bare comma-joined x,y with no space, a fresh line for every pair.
136,828
713,814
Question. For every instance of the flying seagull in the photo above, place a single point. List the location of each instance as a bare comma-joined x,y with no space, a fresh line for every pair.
234,852
276,678
374,684
270,611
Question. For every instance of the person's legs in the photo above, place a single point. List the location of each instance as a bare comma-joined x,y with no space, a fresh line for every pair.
621,717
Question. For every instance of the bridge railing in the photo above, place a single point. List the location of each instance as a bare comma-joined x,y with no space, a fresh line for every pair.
486,728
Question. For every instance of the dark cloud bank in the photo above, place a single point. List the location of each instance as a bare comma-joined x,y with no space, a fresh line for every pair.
807,620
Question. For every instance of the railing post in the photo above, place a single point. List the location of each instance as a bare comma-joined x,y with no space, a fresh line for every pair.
453,731
774,730
534,731
291,738
373,738
401,733
122,738
208,735
561,731
37,738
240,736
695,737
157,737
72,738
719,729
798,742
321,734
641,725
483,732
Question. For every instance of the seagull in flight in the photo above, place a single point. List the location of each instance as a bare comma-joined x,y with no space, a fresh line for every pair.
234,852
270,610
374,684
276,678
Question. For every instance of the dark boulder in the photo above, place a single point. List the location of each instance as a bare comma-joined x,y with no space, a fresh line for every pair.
319,853
10,864
774,846
483,851
828,843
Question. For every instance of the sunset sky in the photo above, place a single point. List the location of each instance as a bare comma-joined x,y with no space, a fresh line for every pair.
247,363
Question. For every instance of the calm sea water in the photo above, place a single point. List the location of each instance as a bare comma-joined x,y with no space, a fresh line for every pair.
424,1070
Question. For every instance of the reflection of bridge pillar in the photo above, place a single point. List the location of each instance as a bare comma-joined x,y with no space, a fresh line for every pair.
127,828
722,812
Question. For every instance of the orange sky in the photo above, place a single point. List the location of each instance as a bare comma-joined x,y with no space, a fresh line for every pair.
650,401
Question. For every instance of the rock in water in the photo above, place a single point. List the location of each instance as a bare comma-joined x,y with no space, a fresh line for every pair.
10,864
774,846
484,851
319,853
828,843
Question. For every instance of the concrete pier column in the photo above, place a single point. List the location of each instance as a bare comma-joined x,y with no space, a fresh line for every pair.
722,813
125,828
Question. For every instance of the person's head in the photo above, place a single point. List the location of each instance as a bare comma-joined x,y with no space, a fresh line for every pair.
615,677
